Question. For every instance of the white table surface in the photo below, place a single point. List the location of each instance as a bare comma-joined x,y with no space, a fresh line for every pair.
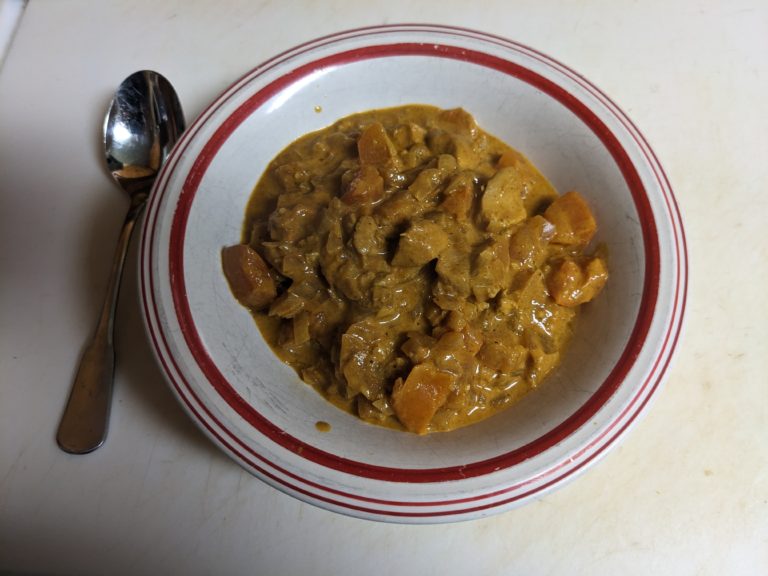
685,493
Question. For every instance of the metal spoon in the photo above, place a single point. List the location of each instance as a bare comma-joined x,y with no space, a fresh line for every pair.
143,123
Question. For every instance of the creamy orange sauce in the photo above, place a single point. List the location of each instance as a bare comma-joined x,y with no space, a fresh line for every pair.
414,269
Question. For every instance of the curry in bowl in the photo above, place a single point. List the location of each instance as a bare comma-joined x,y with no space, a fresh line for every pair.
414,269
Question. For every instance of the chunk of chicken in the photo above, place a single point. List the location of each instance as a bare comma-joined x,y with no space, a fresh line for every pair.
502,201
454,352
542,363
503,357
364,357
528,245
538,191
490,269
422,242
453,272
543,323
398,209
418,347
426,184
460,121
459,195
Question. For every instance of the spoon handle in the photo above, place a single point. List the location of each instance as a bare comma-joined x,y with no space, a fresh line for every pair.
83,427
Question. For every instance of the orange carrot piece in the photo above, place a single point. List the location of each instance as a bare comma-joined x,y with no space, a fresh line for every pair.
374,146
572,285
248,276
573,220
366,187
418,398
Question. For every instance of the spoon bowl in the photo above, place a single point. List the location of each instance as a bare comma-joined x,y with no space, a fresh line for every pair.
144,121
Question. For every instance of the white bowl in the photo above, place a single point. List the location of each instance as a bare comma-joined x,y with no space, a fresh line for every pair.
256,408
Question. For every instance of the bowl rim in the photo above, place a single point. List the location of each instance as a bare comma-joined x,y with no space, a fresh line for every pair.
361,503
